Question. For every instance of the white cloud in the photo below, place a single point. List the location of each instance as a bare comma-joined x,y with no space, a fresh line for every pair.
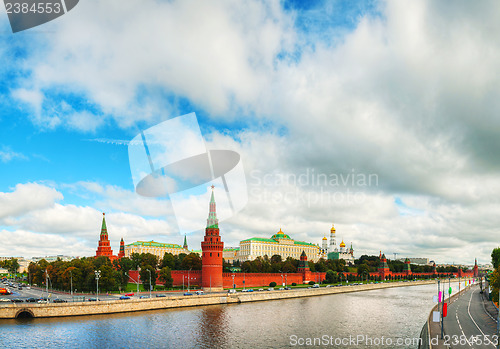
7,155
26,198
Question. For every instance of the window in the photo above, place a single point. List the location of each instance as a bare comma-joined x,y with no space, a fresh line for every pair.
210,254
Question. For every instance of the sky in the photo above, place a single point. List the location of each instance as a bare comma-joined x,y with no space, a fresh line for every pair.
378,116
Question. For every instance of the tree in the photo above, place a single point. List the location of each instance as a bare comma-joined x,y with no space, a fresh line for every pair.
145,273
495,257
13,266
272,284
191,262
166,277
168,261
363,270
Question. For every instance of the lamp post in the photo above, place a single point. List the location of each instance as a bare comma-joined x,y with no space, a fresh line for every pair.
71,274
97,276
188,278
234,286
150,286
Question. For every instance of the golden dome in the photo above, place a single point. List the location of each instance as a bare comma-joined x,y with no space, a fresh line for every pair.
342,244
333,229
324,238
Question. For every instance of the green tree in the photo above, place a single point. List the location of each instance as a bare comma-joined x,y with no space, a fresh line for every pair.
168,261
144,275
191,262
495,257
166,277
363,270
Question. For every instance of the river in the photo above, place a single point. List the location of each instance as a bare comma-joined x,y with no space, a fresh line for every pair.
349,320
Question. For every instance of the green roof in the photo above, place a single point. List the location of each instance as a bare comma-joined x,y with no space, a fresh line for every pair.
302,243
232,249
154,244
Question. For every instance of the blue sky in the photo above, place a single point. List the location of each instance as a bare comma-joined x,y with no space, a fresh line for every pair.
329,86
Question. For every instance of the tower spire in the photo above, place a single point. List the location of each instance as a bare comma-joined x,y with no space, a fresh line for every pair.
104,230
212,221
185,242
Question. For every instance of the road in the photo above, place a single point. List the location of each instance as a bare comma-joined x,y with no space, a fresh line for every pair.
468,325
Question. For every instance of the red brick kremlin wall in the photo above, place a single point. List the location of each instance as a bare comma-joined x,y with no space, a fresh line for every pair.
259,279
251,279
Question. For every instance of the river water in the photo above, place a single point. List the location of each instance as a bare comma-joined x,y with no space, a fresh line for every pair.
349,320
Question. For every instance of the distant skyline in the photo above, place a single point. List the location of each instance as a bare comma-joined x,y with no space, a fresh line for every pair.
378,116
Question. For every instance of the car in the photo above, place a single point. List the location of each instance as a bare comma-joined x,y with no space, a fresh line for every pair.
124,297
188,294
31,300
28,287
16,300
141,297
232,290
199,293
160,295
4,300
59,300
92,300
260,289
250,290
316,286
270,289
129,294
288,288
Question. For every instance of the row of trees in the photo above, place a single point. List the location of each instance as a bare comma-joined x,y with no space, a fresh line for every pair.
275,264
113,276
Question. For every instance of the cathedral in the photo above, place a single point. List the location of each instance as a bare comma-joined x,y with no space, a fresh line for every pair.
333,252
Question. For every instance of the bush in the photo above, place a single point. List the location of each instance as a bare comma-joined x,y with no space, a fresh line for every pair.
272,284
294,284
311,282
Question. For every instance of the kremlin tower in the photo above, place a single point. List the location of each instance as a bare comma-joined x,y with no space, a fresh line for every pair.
212,248
333,243
104,248
122,249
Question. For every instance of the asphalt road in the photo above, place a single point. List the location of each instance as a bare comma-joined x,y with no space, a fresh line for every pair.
468,325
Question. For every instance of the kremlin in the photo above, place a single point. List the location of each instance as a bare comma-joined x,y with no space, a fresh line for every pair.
213,254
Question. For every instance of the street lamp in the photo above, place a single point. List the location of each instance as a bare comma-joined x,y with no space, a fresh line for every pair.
234,286
97,276
71,274
149,283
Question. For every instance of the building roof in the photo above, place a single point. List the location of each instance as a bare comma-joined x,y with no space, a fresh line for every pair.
280,235
154,244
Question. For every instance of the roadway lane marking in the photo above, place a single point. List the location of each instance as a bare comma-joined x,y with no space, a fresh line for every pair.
468,310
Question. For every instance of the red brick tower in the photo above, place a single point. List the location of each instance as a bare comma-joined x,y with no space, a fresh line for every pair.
121,254
383,269
407,269
104,248
211,247
304,268
476,269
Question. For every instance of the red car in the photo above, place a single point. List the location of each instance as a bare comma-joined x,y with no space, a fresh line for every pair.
129,294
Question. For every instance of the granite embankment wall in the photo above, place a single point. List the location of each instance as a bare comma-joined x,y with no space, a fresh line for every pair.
15,310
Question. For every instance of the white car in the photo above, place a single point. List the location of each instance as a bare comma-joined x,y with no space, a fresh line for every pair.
4,300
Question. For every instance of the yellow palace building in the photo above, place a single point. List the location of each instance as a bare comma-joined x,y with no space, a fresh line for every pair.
279,244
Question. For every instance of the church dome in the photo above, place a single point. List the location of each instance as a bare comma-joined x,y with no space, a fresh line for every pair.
333,229
342,244
280,235
324,238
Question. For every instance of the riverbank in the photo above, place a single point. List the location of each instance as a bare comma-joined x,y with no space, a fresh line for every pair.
15,310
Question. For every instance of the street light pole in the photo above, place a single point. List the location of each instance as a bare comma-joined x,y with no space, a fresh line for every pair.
71,273
97,276
149,283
